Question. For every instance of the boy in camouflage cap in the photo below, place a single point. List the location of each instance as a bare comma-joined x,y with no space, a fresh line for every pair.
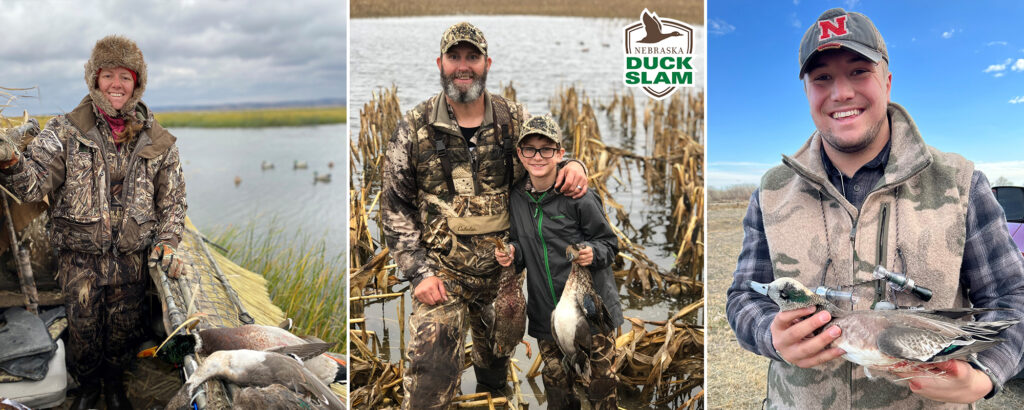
447,174
863,191
544,224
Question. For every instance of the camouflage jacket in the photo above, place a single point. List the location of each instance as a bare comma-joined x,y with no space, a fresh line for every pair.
75,162
427,226
913,221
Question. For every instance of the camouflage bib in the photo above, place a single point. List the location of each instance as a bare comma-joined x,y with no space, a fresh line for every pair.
457,224
913,222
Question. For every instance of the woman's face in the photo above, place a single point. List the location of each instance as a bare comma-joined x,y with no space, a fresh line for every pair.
117,85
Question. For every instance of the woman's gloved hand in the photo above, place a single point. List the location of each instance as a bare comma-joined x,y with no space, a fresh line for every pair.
163,253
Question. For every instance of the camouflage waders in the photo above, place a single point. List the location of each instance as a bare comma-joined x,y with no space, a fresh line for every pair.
435,352
104,319
558,387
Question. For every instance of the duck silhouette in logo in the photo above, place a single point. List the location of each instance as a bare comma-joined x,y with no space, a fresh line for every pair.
654,31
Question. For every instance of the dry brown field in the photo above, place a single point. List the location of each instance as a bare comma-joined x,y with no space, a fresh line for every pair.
689,11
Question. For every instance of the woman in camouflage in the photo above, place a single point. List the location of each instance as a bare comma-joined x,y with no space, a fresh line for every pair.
116,192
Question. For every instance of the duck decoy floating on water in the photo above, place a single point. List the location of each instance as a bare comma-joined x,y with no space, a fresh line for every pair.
265,165
654,31
507,319
300,164
900,340
579,312
325,178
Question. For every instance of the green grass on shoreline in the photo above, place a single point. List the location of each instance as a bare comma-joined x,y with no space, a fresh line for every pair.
275,117
305,277
271,117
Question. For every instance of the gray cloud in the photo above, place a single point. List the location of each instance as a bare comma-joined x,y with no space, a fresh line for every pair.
198,52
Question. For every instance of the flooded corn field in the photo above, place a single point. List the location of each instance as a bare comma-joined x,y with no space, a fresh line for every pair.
644,158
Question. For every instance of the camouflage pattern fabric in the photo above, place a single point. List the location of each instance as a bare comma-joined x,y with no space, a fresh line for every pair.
433,231
541,125
103,199
417,205
913,222
600,388
104,321
436,348
463,32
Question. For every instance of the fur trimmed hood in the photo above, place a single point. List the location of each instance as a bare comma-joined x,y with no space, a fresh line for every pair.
110,52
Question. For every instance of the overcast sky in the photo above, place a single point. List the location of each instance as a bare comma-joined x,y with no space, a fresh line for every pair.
198,52
957,67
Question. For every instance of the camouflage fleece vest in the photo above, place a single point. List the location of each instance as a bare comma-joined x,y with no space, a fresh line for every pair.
913,222
457,224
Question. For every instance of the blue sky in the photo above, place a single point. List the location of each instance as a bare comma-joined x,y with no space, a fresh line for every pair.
957,67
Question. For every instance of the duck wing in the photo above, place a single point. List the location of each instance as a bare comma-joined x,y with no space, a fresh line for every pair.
651,25
304,351
934,338
290,373
960,313
596,313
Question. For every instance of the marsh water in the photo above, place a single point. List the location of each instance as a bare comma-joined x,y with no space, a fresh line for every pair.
284,199
537,54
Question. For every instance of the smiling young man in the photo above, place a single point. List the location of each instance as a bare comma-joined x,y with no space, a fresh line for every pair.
863,191
448,170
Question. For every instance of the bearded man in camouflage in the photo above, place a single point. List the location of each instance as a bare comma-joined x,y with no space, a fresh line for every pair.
863,191
447,175
116,194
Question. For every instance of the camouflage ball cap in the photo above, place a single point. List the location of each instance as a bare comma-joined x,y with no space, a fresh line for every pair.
836,28
541,125
463,32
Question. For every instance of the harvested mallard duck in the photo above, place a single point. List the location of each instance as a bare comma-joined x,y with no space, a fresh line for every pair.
254,337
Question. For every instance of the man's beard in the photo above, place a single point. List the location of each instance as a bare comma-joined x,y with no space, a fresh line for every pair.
475,90
865,140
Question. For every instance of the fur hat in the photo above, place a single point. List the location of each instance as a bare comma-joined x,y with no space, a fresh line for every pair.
110,52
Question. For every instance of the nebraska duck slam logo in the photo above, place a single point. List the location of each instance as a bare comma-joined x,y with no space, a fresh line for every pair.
658,55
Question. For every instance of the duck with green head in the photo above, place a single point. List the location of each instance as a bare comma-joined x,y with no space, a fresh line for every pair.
894,341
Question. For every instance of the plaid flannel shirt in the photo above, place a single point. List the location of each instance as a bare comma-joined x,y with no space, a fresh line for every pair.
992,271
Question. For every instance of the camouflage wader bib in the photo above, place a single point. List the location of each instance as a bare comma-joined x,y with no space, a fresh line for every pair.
458,215
600,389
461,213
913,222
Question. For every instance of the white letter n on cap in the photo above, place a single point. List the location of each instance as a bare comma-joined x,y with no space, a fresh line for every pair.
831,28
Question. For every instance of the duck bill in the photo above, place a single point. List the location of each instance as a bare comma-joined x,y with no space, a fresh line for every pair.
758,287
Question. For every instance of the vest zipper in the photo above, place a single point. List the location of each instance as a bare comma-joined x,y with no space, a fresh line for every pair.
539,214
883,234
881,248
